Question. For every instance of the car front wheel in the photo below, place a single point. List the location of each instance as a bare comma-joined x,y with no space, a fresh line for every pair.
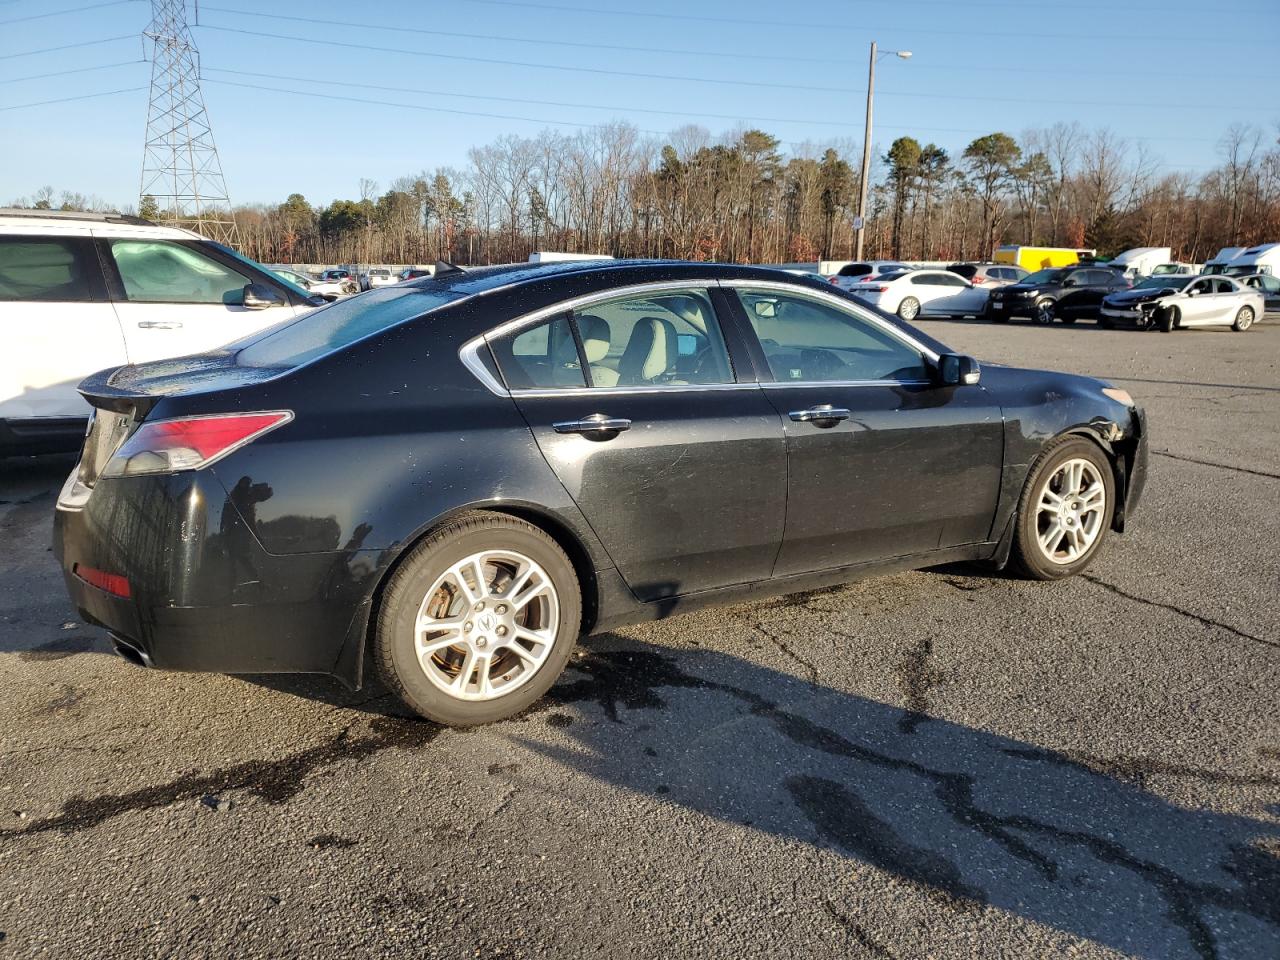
1169,320
1064,511
1045,311
478,621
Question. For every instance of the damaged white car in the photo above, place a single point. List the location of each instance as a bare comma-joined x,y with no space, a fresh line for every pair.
1172,302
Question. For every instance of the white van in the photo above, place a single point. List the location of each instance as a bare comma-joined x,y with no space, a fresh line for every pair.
81,292
1219,263
1264,258
1139,262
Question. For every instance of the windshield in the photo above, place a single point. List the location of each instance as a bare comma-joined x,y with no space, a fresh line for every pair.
1163,283
1238,271
339,324
1050,275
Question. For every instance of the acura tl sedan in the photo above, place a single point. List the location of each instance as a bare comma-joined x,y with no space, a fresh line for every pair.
457,477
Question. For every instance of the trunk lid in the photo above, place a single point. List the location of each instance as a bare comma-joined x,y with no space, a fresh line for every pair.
122,397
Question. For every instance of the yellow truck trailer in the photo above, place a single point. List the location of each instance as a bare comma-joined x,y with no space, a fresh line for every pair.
1037,258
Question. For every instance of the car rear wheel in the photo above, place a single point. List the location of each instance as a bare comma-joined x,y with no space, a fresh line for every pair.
1105,323
1046,309
1064,511
1169,320
1244,319
478,621
909,308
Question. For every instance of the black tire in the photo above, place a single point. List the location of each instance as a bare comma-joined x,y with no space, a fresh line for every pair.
1045,311
909,308
1105,323
998,316
1244,319
1168,321
1027,558
394,634
1067,319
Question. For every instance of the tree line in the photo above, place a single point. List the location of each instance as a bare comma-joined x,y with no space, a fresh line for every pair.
739,197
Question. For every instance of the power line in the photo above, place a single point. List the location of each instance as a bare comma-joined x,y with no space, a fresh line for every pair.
67,46
736,118
579,44
87,96
59,13
1032,101
1198,38
64,73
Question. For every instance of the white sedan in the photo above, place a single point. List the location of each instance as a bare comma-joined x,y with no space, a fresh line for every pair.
930,293
1170,303
322,287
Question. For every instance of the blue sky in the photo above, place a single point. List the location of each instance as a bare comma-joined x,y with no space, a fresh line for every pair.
1174,72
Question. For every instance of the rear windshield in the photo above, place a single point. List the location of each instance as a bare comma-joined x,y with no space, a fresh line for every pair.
854,270
321,331
1052,275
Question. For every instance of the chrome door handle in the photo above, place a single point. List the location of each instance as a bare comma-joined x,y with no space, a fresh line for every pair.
823,415
595,425
159,325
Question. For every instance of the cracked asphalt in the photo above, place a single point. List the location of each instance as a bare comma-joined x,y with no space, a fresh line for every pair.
947,763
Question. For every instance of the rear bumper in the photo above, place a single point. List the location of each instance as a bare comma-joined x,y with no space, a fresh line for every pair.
204,595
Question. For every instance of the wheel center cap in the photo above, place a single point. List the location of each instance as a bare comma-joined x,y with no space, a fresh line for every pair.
487,622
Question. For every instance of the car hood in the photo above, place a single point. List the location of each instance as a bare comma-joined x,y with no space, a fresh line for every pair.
1140,296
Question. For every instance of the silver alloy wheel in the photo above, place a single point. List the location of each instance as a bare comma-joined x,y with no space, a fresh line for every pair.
1070,511
1044,311
1244,319
487,625
909,308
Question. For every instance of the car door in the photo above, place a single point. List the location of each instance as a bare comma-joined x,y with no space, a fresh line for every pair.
679,468
1197,306
58,326
1227,299
883,462
957,297
175,297
928,289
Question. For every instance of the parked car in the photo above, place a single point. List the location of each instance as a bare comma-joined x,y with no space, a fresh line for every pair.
988,274
83,291
466,473
1268,285
926,293
1058,293
376,277
852,273
347,284
330,290
1173,302
413,273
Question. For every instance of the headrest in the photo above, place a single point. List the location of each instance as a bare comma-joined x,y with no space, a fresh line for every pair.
595,335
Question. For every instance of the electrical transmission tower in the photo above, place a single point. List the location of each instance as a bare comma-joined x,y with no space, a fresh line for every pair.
180,166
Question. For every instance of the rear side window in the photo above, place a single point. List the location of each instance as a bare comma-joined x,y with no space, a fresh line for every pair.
161,271
343,322
543,357
1224,286
50,269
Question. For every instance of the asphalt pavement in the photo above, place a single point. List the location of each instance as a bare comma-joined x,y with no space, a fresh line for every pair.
948,763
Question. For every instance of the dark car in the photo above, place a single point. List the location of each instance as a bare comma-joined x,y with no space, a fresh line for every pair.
413,273
1268,286
1055,293
466,473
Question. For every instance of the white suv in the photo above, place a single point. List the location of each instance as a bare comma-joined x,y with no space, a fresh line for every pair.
82,292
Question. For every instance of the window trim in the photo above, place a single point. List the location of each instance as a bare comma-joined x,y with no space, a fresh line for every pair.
469,352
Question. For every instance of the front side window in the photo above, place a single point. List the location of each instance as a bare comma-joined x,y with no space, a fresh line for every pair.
1201,287
50,269
805,339
161,271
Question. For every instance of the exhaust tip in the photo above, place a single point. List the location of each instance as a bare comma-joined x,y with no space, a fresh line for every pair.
129,651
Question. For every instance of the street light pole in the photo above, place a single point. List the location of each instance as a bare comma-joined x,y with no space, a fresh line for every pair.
866,156
866,146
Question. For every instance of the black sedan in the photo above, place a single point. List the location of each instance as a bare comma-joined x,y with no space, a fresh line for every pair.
1056,293
464,474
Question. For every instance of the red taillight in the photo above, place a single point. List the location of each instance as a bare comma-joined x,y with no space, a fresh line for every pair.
835,280
977,279
112,583
189,443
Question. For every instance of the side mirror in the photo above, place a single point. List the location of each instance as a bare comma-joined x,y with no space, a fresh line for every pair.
1193,293
956,369
1069,282
258,296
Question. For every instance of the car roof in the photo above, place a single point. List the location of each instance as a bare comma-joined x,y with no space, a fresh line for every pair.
64,222
479,280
